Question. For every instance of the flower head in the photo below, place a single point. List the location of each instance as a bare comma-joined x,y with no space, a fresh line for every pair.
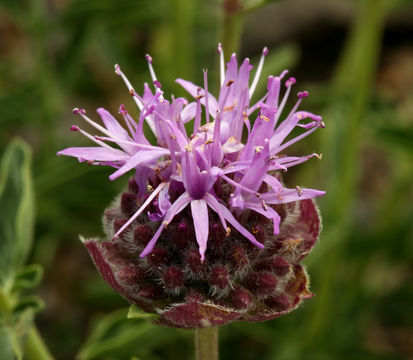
211,187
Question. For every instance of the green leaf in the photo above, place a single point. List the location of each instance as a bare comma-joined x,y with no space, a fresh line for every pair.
34,303
16,210
111,335
397,136
28,277
6,344
13,333
136,313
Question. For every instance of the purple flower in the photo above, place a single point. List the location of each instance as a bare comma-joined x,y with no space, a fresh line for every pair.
183,169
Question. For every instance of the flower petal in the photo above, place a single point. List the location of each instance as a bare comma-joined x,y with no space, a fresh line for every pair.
141,157
117,131
193,90
201,224
94,154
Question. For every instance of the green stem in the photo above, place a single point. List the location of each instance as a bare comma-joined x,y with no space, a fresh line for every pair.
232,26
35,347
183,49
353,87
206,343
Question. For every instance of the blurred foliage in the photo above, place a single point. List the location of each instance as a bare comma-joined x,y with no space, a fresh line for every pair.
58,54
16,229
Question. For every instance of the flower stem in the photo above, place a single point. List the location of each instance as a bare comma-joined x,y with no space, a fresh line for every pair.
232,26
206,343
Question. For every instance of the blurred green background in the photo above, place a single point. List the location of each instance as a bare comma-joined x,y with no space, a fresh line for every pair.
356,59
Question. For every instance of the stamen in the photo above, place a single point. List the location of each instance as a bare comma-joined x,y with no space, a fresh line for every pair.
152,72
137,213
258,73
299,191
299,160
283,102
128,85
97,141
264,205
206,96
221,63
130,123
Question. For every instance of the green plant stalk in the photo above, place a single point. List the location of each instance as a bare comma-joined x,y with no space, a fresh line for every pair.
352,86
5,302
35,347
206,343
183,19
232,21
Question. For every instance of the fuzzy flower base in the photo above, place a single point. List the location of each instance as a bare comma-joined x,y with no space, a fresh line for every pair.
237,281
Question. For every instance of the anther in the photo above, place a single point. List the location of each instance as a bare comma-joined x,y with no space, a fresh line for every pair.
230,82
299,191
148,58
122,109
258,149
291,81
78,111
302,94
74,128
